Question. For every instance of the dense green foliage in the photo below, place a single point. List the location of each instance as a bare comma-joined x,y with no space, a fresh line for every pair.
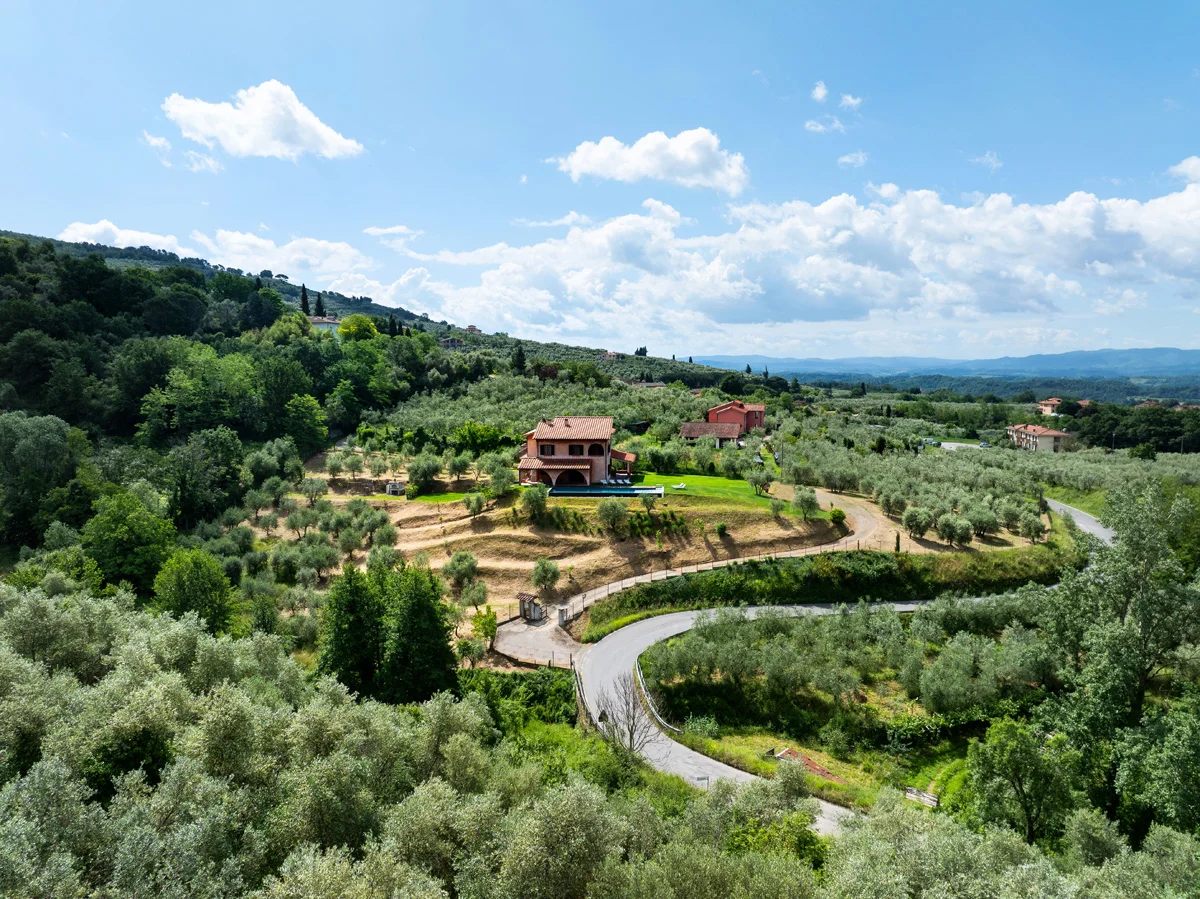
1091,687
843,577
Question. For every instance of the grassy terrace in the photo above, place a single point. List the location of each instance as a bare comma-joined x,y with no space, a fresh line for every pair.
840,577
939,768
726,489
1090,501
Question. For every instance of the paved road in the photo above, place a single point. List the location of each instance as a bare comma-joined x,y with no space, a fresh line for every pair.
1087,523
602,663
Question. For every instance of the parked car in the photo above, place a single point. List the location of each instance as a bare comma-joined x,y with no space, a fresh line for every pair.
985,445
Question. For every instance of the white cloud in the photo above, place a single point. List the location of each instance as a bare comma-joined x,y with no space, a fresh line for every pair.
105,232
857,159
842,275
397,236
156,143
691,158
160,145
267,120
249,252
201,162
989,159
825,125
760,76
298,256
849,101
819,92
262,226
524,179
1188,170
571,218
1117,301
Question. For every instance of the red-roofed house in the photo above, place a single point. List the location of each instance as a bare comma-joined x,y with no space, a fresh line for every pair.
1036,438
570,452
723,431
1050,406
746,415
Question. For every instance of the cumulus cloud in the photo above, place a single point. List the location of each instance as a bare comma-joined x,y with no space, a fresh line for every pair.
201,162
819,92
989,159
238,249
691,158
904,261
300,255
1188,170
265,120
824,125
105,232
857,159
849,101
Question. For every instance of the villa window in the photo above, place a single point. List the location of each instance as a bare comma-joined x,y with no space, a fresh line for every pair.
596,449
546,449
575,449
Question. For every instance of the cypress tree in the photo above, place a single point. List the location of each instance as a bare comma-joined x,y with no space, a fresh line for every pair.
417,658
320,306
391,325
304,299
352,631
258,283
517,362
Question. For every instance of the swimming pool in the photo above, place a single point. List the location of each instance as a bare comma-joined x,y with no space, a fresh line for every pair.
606,490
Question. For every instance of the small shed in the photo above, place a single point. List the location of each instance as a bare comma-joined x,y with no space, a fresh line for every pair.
531,609
395,488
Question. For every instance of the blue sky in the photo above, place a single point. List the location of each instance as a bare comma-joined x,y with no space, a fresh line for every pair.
783,179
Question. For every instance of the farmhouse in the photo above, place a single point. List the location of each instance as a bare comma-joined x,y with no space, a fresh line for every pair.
571,452
722,431
1036,438
451,343
325,323
1050,406
471,329
608,356
745,415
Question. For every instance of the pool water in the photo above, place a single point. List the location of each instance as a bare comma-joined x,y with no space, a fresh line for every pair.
605,490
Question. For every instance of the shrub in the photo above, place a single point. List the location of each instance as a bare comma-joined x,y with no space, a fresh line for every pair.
721,530
838,517
612,513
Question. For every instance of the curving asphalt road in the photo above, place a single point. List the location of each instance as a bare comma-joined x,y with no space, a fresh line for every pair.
603,662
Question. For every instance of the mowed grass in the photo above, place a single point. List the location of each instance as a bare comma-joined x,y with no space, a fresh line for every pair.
727,489
1091,501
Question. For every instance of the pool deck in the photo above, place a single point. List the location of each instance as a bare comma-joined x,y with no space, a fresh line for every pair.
607,490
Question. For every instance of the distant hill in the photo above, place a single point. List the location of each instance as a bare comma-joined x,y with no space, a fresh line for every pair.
1136,363
147,257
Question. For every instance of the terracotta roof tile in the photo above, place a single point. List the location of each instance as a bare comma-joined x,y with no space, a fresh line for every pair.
583,427
723,430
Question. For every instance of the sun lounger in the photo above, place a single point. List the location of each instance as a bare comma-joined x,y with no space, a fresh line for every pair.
679,487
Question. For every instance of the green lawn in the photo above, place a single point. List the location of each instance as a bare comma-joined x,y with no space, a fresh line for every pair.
727,489
1090,501
450,496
